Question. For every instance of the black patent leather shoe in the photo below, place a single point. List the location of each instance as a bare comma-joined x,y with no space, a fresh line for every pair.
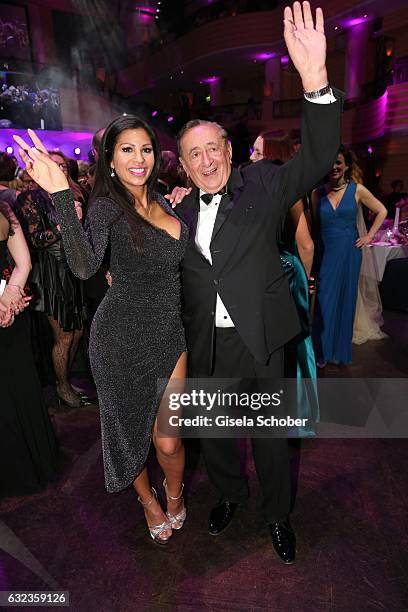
221,516
284,541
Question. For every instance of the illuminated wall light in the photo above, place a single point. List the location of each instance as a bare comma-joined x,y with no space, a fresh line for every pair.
336,27
170,119
212,79
265,55
9,150
389,48
77,151
124,114
208,98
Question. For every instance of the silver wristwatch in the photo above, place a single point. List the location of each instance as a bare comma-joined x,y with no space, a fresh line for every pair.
318,93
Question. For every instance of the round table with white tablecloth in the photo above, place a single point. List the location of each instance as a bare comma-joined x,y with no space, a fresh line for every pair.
383,252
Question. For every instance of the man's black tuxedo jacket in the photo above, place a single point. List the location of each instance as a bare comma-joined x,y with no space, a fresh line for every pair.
246,269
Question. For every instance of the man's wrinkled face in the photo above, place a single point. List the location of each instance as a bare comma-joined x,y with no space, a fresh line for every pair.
206,157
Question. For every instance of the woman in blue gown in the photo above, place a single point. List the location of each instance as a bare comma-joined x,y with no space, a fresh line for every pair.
335,209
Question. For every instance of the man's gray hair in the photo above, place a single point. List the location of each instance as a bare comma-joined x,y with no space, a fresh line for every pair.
195,123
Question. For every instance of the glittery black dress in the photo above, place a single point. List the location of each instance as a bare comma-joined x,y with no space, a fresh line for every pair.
137,334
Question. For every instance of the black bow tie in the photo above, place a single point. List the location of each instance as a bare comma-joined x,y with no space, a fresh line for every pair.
208,197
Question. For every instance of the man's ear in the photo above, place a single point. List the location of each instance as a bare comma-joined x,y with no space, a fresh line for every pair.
229,149
183,165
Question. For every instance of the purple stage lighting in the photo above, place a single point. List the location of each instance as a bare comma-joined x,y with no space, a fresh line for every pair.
154,113
170,119
370,150
264,56
353,22
211,79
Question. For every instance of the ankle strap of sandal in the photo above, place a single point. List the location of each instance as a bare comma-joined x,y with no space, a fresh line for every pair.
153,497
167,492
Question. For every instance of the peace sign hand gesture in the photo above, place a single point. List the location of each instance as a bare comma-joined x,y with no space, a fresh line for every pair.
39,165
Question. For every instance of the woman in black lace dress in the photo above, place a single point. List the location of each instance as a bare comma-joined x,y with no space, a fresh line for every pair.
57,292
28,449
137,336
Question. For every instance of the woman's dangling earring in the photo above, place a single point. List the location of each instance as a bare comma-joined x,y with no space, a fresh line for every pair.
112,173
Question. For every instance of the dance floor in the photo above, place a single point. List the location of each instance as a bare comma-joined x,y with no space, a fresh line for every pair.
350,516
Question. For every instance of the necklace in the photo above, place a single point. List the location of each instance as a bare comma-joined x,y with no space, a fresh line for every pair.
339,188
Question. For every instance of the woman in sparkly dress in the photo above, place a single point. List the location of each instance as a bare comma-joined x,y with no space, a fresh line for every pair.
137,338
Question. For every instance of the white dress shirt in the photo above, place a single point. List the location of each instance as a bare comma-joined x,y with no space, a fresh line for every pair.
205,226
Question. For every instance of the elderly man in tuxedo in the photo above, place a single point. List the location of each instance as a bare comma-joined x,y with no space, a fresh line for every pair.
238,311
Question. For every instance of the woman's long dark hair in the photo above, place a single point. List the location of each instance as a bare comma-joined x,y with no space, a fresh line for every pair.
107,186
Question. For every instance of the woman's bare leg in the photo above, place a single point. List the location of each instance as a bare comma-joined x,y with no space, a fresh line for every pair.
170,451
170,455
153,511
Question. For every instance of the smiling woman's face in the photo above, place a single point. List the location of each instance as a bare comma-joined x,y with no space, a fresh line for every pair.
133,158
339,168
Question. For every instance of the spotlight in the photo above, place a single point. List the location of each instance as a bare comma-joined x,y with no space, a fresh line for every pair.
10,150
370,150
154,113
124,114
170,119
77,151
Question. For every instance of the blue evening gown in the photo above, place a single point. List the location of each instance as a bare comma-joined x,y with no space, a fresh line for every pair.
339,263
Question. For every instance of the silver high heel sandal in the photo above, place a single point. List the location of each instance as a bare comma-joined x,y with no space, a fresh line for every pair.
156,530
176,520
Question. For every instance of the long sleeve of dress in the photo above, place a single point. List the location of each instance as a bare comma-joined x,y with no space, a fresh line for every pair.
85,250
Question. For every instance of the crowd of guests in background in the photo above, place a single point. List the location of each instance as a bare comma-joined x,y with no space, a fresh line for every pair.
313,244
13,33
26,105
